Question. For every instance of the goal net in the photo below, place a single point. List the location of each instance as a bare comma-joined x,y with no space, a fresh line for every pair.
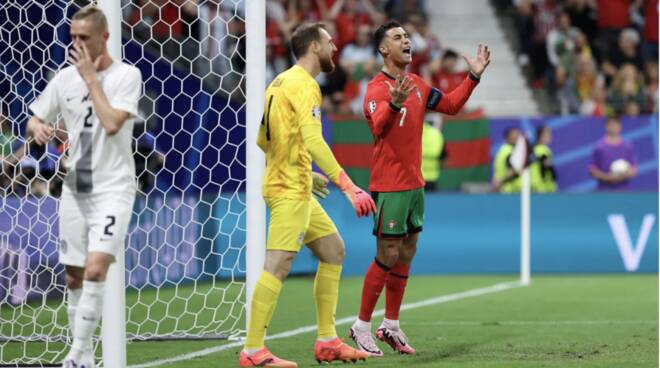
185,251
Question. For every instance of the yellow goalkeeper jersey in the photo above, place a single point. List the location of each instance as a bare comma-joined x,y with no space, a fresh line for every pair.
293,100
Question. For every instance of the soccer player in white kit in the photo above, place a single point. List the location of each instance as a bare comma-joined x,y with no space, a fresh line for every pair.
97,98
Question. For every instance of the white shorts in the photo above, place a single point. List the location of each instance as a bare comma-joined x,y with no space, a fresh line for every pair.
96,222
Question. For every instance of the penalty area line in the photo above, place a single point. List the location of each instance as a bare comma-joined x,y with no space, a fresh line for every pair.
346,320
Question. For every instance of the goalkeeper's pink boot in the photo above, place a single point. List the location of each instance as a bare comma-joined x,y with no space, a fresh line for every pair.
264,358
395,339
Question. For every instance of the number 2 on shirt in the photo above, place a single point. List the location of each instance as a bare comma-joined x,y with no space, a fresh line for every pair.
403,116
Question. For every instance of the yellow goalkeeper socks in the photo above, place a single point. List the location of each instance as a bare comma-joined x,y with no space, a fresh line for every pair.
326,294
264,299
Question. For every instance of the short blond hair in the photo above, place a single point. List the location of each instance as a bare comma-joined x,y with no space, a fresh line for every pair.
93,13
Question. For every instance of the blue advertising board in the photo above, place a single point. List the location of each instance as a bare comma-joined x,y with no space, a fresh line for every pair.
174,239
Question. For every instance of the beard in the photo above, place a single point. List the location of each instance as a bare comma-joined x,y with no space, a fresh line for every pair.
327,66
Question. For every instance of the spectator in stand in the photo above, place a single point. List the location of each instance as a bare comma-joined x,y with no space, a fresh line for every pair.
561,47
358,61
425,45
650,45
505,179
652,87
400,9
544,22
627,92
524,21
614,162
584,16
445,76
348,16
625,53
164,19
542,172
589,83
613,17
220,31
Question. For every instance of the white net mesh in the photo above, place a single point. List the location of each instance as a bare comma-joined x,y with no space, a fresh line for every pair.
184,252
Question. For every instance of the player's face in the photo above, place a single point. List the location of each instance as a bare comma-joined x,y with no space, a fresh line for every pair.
396,46
84,31
326,50
613,127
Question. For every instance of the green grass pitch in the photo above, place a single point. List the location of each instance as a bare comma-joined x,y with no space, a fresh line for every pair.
558,321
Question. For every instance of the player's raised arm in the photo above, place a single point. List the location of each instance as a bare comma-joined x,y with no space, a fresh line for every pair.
451,103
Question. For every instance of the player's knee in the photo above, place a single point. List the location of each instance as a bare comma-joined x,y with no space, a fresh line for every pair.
408,252
73,281
96,274
339,252
280,265
391,256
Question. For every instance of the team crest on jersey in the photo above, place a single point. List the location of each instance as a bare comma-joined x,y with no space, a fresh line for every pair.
372,106
391,224
316,112
301,238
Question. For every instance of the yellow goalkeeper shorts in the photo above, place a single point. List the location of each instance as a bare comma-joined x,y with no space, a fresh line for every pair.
296,222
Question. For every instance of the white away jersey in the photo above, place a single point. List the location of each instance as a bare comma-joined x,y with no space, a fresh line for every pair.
97,162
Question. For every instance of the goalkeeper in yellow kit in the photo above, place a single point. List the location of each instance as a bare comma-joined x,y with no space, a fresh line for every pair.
290,135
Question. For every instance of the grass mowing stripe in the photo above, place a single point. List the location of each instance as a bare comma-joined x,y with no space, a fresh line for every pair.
423,303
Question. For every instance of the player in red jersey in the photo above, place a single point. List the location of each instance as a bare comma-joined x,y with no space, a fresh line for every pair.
394,106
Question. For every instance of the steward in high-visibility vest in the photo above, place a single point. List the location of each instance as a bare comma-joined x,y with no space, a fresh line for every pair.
505,179
543,174
433,143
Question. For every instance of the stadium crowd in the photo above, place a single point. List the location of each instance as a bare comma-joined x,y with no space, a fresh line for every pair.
596,57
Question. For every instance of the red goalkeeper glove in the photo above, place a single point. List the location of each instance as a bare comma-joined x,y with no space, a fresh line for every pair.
360,199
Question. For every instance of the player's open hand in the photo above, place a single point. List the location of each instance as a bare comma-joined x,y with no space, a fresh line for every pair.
401,89
320,185
480,62
40,132
83,62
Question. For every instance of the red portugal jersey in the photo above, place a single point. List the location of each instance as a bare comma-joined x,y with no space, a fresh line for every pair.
396,162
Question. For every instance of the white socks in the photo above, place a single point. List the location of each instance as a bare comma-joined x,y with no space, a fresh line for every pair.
88,314
73,298
391,324
362,326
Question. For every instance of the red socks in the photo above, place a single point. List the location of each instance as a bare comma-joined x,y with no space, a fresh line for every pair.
378,275
374,281
396,286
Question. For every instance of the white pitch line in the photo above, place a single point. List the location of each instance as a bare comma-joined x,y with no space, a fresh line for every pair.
301,330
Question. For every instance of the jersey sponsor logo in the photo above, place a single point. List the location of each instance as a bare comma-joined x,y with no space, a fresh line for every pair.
316,112
372,106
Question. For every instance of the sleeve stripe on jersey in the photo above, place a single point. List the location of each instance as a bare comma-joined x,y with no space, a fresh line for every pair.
270,103
434,98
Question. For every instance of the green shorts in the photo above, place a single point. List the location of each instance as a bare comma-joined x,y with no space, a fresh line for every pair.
398,213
